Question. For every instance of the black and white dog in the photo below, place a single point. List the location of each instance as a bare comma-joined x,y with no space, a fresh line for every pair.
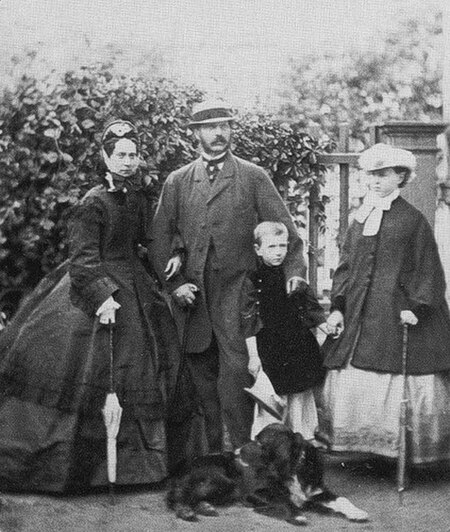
279,474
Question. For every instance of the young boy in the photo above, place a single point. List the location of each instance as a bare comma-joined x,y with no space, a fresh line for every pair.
277,329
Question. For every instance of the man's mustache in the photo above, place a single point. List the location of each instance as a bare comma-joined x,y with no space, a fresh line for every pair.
219,140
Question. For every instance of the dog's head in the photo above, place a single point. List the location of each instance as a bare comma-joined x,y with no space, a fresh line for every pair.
287,454
250,455
281,450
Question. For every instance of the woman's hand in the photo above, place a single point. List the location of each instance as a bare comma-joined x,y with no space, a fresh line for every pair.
107,311
173,266
407,317
335,323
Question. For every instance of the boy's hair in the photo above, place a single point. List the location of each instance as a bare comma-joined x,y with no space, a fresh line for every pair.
268,228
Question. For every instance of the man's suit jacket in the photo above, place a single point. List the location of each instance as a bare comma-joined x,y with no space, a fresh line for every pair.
194,213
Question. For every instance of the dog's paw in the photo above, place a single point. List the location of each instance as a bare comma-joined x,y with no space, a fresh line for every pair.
297,495
343,506
205,508
283,512
186,513
298,520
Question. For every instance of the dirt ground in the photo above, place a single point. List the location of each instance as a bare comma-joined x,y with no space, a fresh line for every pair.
369,485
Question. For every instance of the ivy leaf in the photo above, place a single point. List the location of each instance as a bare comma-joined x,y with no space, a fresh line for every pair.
87,123
51,157
47,224
52,133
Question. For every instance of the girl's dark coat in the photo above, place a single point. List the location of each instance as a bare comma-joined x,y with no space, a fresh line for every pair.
288,350
378,276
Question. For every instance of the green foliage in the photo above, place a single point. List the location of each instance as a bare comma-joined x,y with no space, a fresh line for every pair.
401,82
49,155
289,155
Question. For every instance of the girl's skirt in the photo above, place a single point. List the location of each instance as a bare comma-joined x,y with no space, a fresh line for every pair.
360,412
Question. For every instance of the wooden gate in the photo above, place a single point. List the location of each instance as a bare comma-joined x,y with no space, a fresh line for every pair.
420,138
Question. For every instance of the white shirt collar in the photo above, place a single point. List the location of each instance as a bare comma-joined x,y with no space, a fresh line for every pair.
207,158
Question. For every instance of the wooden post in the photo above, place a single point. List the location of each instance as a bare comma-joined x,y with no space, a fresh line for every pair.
446,63
344,173
445,183
313,236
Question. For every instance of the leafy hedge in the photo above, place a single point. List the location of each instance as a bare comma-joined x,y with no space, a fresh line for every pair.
49,155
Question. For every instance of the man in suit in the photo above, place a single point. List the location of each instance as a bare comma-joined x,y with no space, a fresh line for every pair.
209,208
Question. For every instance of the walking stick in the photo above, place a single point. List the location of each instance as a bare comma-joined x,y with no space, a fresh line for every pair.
182,364
402,447
112,413
180,405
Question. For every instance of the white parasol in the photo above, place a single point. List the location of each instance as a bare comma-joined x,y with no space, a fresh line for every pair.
112,414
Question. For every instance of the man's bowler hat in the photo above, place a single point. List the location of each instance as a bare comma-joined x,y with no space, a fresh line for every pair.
210,112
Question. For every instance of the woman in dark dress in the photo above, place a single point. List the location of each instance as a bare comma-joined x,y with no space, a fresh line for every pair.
55,355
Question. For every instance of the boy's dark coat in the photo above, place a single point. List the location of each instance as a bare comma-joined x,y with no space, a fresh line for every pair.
288,350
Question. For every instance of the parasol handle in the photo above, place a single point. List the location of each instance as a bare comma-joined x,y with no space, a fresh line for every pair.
112,462
404,354
402,448
111,359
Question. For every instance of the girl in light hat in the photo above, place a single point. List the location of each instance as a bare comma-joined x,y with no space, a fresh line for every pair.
389,274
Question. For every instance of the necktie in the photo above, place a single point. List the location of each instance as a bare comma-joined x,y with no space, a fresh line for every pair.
212,166
212,169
